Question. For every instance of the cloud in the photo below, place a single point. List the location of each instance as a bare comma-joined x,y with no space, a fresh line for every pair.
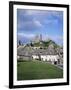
29,25
60,37
41,13
49,23
36,19
31,12
37,23
56,13
57,39
44,12
45,37
25,35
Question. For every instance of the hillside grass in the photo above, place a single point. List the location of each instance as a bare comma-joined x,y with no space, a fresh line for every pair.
45,44
31,70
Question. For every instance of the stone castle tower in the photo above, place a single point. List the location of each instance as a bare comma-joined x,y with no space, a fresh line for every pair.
38,38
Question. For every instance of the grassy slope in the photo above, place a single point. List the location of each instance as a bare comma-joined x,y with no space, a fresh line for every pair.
37,70
46,44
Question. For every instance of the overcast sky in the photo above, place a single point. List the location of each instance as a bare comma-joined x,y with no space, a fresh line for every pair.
33,22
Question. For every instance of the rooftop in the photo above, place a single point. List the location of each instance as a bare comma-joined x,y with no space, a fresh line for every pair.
28,51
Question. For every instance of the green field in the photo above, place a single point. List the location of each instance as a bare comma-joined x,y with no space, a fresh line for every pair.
30,70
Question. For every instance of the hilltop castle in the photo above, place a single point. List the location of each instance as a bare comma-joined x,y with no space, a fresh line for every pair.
37,38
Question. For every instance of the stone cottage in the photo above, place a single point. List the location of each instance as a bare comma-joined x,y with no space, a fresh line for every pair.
51,55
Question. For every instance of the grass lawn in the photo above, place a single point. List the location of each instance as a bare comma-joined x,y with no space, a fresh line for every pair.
30,70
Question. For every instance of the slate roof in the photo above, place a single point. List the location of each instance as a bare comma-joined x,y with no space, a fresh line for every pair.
24,51
28,51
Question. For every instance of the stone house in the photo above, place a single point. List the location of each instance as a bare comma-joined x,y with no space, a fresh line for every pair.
51,55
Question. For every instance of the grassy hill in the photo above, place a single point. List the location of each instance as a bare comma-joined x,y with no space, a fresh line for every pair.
45,44
32,70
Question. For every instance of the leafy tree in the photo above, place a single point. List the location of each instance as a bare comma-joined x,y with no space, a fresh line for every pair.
31,44
39,57
19,42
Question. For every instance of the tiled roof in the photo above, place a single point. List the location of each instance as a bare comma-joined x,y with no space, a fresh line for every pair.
28,51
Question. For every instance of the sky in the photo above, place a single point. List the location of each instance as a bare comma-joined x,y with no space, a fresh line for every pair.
48,23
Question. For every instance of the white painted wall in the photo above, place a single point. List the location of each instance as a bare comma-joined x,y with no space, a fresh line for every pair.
43,57
4,46
35,57
46,57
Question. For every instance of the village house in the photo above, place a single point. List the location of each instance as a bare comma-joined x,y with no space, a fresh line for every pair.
49,55
23,53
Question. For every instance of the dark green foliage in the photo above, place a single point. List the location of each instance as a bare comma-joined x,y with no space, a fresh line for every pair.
20,42
45,44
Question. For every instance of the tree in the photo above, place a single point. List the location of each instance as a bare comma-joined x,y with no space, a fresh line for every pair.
39,57
19,42
31,44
